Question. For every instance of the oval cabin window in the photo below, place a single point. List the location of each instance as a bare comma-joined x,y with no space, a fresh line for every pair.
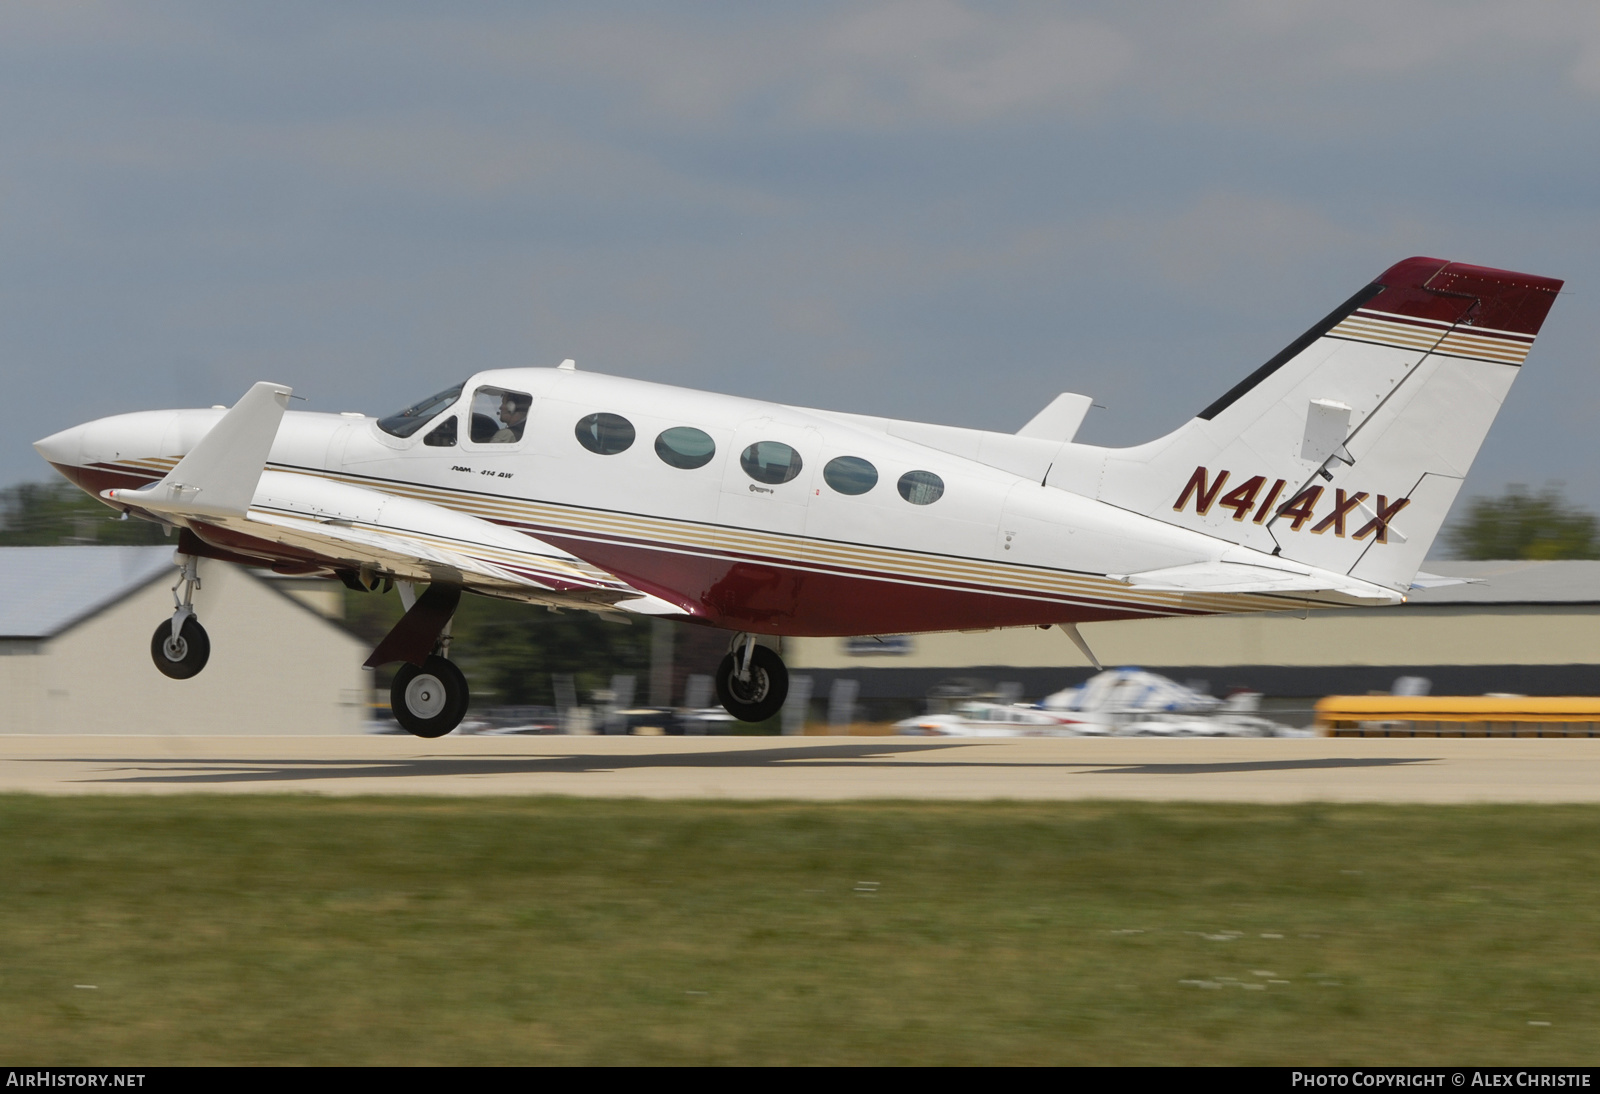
850,475
605,434
771,462
921,487
686,447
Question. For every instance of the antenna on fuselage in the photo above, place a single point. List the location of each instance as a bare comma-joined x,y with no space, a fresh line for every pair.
568,365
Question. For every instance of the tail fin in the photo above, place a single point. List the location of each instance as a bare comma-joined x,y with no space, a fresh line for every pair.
1346,450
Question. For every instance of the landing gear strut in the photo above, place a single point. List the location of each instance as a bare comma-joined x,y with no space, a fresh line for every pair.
429,696
752,682
180,647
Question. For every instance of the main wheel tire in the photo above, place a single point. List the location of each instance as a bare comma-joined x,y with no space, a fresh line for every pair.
184,656
759,697
429,701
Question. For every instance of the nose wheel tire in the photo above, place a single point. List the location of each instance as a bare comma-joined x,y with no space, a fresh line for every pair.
429,701
761,695
184,656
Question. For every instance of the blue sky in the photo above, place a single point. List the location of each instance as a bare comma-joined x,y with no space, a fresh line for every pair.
941,211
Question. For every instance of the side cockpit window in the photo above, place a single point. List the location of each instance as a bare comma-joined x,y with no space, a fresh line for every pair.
414,417
442,435
498,415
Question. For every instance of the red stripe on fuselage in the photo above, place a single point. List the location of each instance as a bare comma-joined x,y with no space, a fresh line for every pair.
743,591
98,477
772,597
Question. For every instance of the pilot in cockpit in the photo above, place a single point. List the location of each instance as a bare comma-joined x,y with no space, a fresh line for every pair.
513,417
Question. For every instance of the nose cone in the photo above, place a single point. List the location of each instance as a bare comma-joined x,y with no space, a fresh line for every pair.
64,448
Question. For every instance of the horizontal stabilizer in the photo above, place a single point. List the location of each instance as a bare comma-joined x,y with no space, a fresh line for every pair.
1060,420
1238,577
219,475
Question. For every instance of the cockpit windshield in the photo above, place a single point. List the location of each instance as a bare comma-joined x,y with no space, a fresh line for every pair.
414,417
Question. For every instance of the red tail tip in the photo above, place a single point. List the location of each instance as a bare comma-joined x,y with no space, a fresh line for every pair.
1454,292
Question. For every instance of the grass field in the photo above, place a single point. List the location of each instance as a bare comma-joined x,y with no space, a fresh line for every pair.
313,930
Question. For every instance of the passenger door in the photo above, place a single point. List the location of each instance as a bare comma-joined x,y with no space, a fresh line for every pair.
755,492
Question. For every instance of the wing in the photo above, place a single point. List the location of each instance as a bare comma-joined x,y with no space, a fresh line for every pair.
221,492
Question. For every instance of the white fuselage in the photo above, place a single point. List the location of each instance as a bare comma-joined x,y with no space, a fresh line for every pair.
997,547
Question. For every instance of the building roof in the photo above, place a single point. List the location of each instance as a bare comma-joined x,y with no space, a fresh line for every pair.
1514,581
44,590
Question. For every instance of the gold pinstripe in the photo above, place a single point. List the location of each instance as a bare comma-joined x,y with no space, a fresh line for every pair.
892,564
880,563
1504,348
154,463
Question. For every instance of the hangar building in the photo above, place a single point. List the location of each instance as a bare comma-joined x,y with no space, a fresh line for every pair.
75,629
1525,627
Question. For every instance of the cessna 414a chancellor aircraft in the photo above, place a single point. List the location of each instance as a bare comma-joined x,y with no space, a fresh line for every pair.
1320,479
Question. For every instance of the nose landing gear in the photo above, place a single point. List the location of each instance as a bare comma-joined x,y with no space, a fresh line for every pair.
752,682
180,655
180,647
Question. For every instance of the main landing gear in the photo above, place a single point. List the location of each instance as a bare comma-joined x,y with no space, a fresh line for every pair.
429,695
180,647
429,700
752,682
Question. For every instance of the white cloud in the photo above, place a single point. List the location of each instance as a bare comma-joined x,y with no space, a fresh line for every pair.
920,63
1266,56
939,61
1585,71
1207,244
906,62
45,24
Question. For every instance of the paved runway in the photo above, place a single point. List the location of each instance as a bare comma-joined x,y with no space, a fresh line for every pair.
815,768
